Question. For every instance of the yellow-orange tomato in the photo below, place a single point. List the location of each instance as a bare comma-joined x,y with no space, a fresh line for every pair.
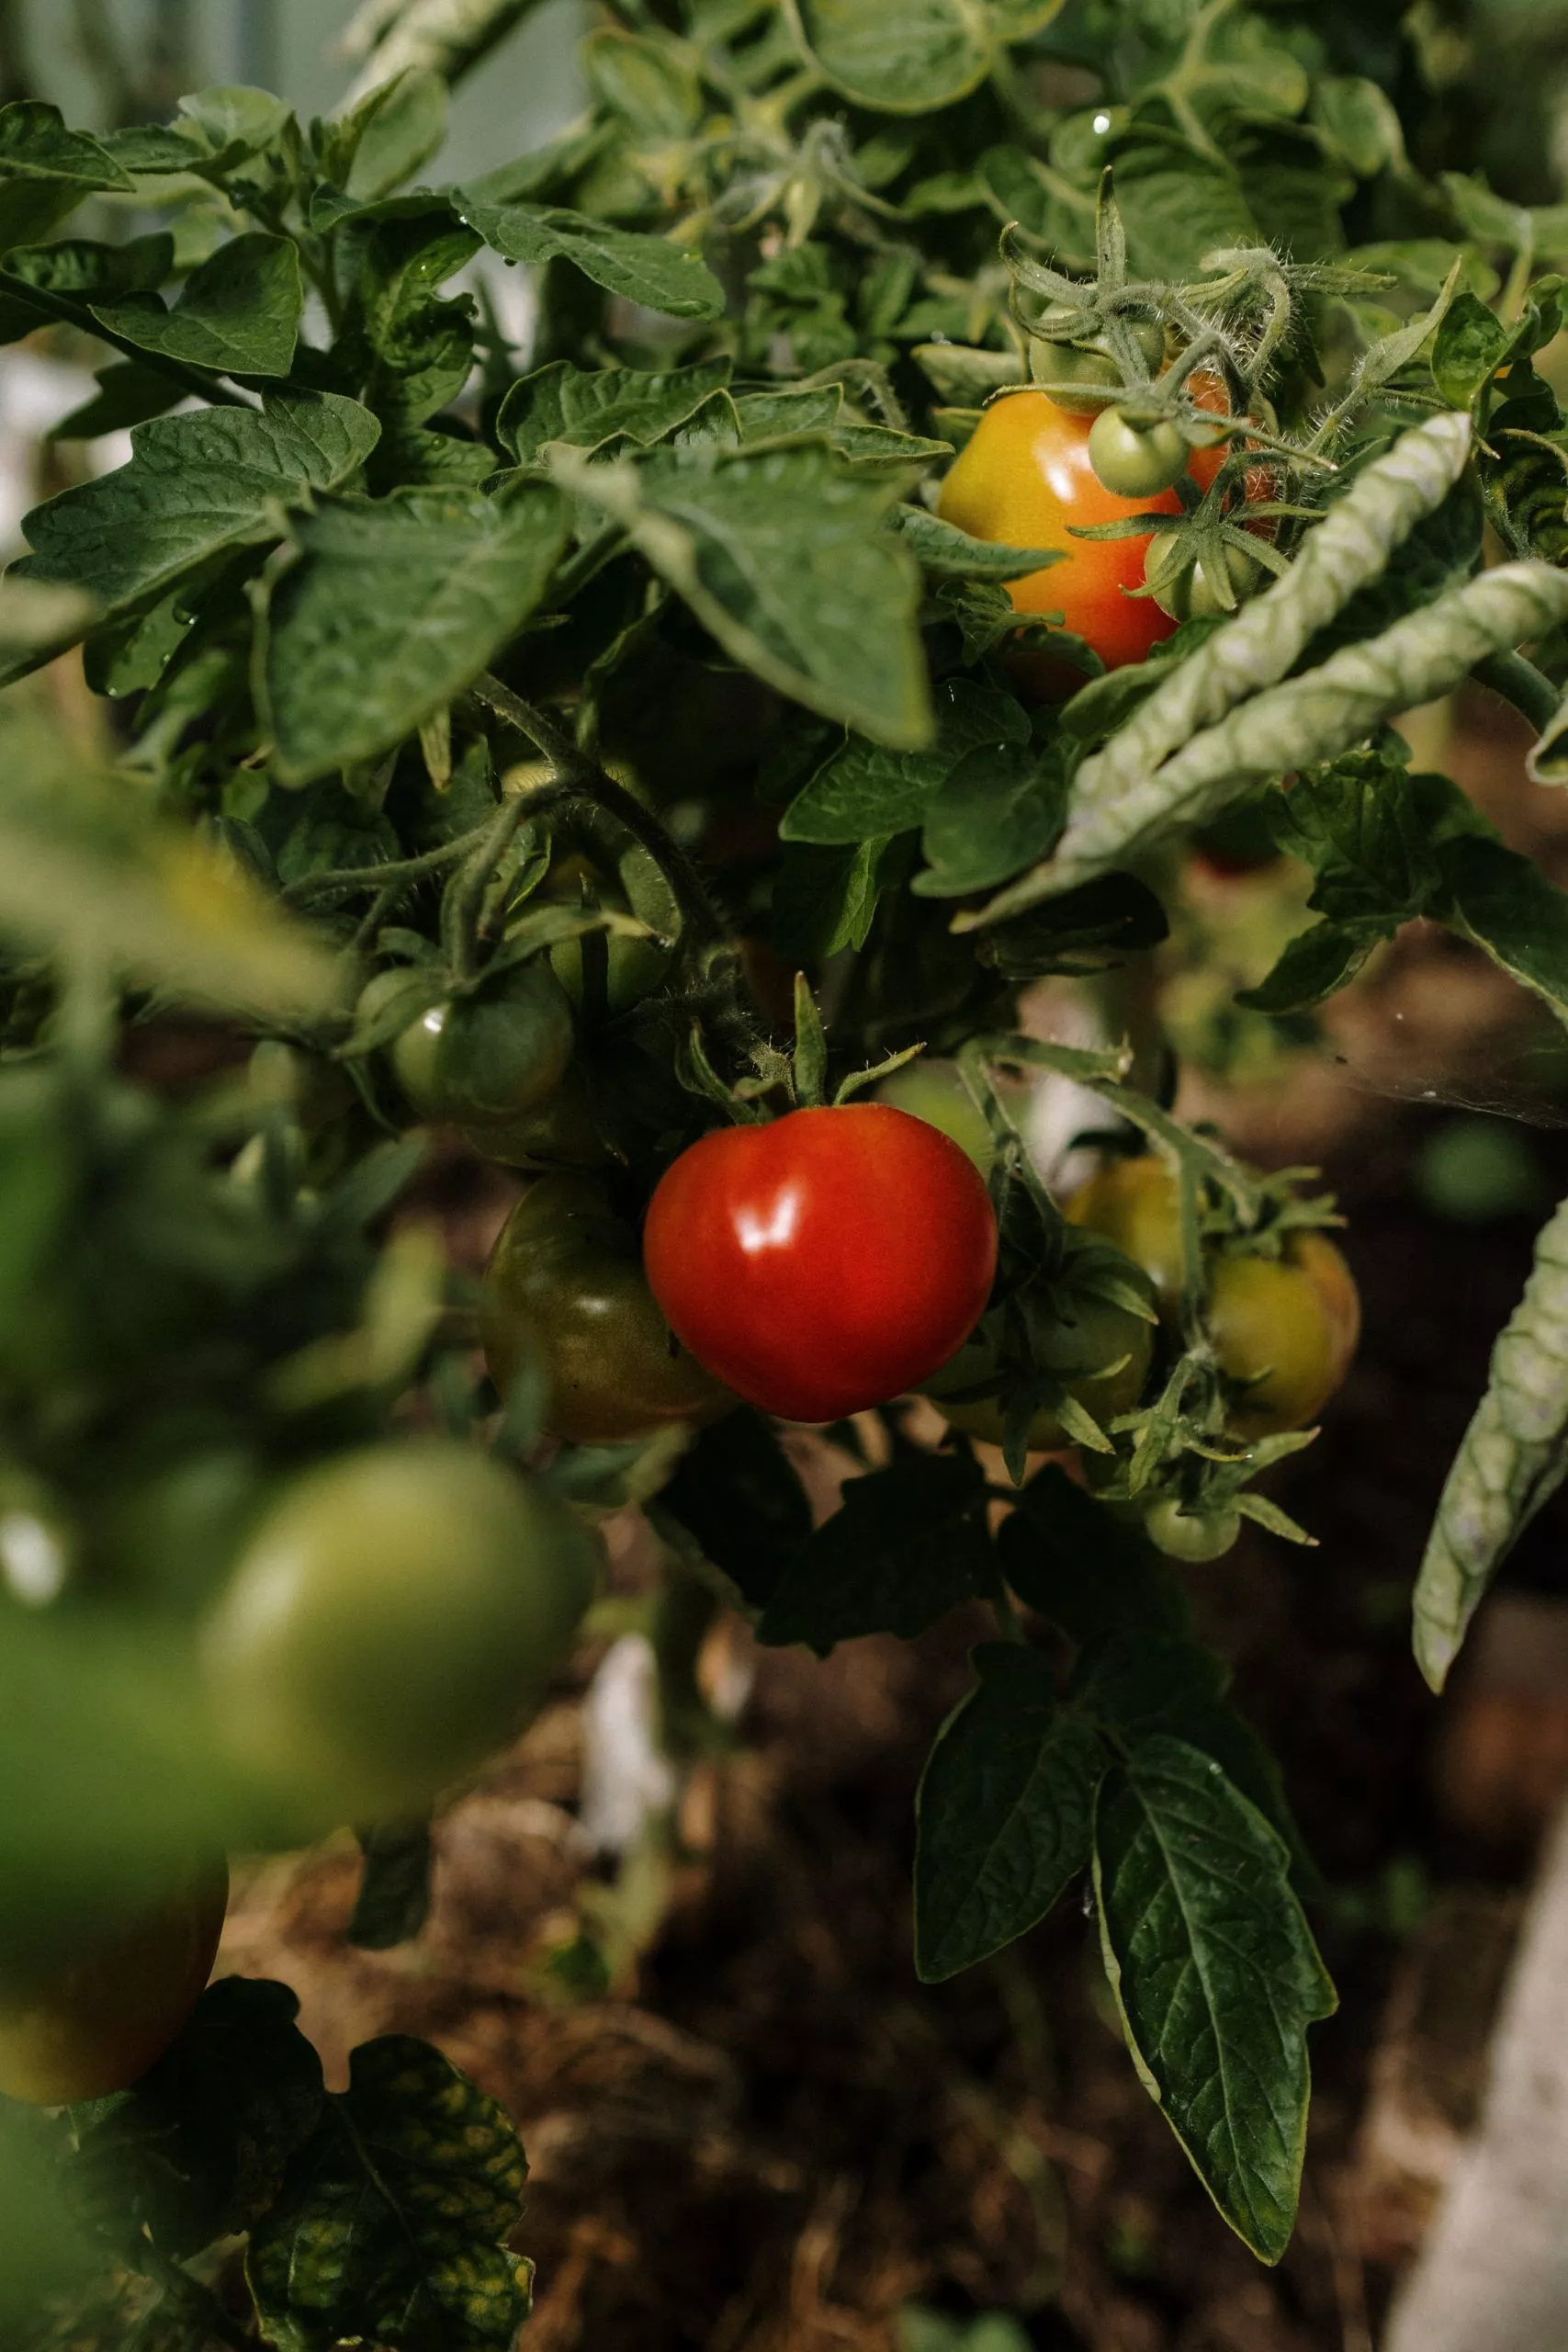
1136,1204
96,2019
1022,478
1287,1327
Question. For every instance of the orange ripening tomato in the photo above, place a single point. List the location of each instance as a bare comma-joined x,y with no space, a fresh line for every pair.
97,2018
1022,479
826,1262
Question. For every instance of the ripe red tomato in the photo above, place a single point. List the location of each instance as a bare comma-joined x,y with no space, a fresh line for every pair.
95,2018
825,1262
1022,478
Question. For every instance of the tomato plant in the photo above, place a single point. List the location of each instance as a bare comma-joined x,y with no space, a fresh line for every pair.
468,714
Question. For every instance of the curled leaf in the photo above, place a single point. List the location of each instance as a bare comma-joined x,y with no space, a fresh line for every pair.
1348,547
1514,1457
1303,721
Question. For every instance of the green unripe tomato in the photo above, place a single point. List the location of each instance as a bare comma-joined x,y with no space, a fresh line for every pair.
1133,460
574,1127
1085,378
91,2019
392,1621
1102,1356
631,968
1184,1534
1183,589
567,1277
934,1092
481,1059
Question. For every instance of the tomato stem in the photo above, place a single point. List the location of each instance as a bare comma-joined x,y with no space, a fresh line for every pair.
578,778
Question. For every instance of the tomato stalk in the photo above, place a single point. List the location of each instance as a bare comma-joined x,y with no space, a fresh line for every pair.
579,778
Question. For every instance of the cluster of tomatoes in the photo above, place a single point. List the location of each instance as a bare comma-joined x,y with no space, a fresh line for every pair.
1083,453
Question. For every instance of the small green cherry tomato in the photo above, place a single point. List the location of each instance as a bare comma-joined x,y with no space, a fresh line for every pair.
934,1092
479,1060
575,1126
1185,1534
1133,461
93,2019
1100,1354
607,973
567,1277
1184,589
1085,378
392,1621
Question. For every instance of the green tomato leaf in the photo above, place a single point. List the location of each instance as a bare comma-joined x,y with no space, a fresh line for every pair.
782,555
1064,1555
1004,1810
238,314
864,790
647,79
737,1495
1314,964
128,394
1513,1459
905,1545
194,485
948,553
1502,903
900,56
1360,119
79,265
46,170
198,2149
911,56
825,899
413,350
589,407
228,123
394,608
392,2221
393,1902
1467,350
1215,1974
1137,1683
87,870
392,134
1083,931
36,145
996,811
646,270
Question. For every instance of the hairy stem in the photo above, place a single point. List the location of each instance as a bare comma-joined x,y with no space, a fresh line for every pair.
579,778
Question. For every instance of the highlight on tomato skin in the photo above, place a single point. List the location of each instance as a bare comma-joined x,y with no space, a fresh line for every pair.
825,1262
1024,477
